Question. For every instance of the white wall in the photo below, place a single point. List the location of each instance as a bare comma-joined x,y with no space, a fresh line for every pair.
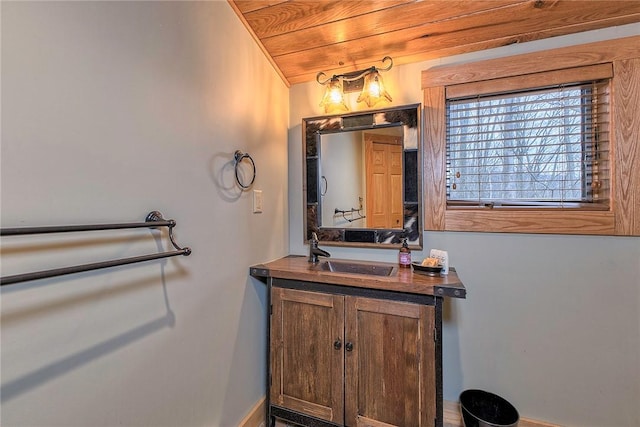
342,159
552,323
111,110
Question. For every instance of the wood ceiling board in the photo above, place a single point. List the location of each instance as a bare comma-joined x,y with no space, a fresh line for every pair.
302,37
375,23
296,15
246,6
498,27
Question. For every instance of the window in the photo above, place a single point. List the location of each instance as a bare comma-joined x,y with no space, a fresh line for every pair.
543,142
537,147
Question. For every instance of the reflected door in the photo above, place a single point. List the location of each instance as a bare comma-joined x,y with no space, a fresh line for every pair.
383,170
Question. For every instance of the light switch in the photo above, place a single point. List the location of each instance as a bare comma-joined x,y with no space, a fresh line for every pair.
257,201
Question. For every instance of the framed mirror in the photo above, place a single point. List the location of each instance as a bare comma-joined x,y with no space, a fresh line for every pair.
362,172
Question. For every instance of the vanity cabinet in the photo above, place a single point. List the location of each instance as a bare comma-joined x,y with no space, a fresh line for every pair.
353,360
351,349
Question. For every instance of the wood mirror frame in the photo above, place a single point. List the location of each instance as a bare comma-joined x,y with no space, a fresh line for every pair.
410,118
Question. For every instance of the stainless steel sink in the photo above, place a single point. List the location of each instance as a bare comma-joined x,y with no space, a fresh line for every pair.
354,267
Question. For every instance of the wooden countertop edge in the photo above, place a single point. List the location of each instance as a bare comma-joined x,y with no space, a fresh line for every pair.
405,280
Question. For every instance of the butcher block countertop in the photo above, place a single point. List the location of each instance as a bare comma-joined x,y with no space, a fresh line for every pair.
297,267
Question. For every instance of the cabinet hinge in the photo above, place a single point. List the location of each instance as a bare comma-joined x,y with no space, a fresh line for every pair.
435,335
270,309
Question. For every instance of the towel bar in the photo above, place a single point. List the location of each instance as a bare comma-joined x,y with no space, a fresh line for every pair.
153,220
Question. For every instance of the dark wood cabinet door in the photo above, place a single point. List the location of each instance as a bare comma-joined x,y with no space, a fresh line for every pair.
307,358
390,363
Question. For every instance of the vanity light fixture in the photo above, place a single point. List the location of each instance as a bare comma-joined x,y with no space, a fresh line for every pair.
333,99
369,81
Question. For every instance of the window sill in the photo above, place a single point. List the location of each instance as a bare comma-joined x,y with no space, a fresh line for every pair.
567,207
540,221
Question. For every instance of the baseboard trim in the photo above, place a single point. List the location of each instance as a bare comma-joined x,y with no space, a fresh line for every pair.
451,412
255,417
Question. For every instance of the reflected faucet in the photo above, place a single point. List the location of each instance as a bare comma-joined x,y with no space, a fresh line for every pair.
314,250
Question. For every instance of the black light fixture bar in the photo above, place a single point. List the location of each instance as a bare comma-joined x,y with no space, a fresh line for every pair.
353,76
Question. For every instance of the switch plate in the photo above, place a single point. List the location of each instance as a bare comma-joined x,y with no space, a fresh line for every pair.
257,201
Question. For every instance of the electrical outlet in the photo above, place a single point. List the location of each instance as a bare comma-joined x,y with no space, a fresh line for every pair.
257,201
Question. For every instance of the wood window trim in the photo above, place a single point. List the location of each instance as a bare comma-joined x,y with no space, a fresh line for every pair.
623,218
527,81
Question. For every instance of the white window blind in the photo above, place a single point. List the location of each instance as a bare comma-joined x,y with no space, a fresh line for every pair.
536,147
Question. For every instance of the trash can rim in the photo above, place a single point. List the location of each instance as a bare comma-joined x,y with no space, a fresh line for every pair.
487,394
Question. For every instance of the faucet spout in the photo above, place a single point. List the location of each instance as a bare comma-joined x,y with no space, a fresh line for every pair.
315,251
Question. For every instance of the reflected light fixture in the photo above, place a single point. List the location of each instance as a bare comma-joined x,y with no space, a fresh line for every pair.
369,81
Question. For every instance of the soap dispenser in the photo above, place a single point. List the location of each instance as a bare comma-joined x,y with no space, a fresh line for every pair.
404,256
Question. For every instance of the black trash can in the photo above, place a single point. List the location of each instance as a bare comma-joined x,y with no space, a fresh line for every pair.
483,409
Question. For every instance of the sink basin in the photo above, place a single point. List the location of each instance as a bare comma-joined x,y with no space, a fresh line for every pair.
354,267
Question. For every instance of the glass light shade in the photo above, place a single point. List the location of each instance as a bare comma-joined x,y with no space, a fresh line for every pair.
373,90
333,99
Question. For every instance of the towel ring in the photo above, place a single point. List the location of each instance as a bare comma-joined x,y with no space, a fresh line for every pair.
239,156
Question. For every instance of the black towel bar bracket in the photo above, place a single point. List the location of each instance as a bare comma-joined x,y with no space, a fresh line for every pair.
153,220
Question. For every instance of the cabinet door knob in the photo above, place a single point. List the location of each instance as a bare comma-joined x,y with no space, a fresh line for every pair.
337,344
348,346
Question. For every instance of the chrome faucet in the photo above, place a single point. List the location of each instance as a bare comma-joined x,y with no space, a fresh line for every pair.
314,250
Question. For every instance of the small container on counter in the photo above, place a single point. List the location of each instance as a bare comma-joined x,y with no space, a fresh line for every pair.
404,256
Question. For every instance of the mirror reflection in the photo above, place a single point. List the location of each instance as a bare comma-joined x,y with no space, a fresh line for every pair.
361,178
361,175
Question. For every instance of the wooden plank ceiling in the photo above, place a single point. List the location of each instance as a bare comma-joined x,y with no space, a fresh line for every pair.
303,37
